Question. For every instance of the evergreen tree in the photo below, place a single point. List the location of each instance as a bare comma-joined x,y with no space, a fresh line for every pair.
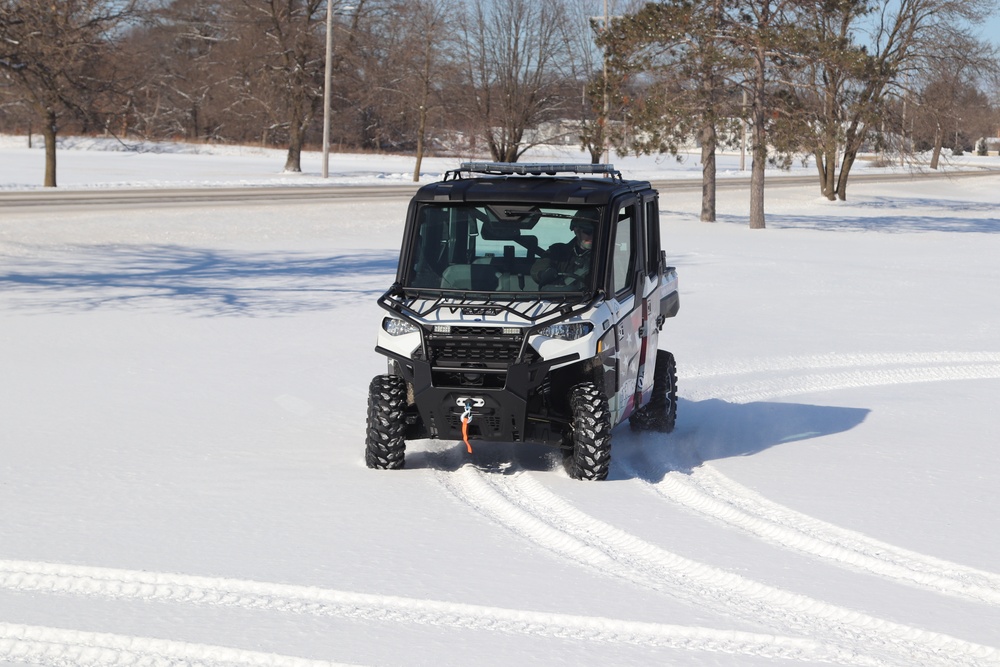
686,73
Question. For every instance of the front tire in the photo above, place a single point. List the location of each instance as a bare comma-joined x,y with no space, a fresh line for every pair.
385,446
660,414
590,438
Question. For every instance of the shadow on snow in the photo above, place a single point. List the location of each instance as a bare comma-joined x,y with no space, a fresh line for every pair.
706,430
936,215
716,429
198,280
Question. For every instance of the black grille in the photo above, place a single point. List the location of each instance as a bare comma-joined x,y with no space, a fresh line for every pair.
479,332
472,354
476,347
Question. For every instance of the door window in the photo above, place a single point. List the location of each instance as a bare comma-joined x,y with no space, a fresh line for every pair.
652,238
623,252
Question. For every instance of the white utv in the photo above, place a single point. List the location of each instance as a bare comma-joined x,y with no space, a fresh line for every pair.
505,324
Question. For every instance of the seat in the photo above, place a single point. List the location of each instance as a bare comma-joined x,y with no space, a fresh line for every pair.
470,277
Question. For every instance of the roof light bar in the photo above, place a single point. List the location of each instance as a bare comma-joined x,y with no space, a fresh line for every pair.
538,168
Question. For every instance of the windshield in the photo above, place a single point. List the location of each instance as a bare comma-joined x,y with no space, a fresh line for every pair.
509,248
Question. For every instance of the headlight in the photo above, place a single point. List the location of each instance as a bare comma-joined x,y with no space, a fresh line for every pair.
567,331
395,327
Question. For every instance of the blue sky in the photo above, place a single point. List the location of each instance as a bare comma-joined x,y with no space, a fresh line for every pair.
990,29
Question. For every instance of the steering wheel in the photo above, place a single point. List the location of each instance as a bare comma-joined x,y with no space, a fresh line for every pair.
572,280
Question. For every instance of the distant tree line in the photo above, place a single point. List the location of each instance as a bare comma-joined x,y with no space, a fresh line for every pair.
407,75
825,78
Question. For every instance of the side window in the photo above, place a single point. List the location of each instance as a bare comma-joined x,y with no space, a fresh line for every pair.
652,238
623,251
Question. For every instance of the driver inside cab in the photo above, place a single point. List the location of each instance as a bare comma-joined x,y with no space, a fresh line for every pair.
568,264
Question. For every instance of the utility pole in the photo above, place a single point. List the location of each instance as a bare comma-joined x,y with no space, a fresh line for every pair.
606,128
328,77
743,138
605,136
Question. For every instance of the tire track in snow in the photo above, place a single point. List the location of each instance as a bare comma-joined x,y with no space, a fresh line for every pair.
56,647
708,492
705,490
761,390
530,510
110,583
826,361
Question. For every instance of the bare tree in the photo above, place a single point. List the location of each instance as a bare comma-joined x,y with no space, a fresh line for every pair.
827,84
430,22
511,70
183,88
281,45
949,97
900,37
59,55
590,87
395,60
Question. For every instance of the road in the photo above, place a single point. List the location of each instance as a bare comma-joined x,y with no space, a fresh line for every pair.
225,196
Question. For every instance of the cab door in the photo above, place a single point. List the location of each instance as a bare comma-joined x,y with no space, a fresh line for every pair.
634,284
625,287
649,292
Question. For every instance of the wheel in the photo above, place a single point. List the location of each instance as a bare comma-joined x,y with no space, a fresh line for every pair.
385,445
589,455
660,414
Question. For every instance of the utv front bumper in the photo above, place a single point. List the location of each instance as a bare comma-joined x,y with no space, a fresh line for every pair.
501,396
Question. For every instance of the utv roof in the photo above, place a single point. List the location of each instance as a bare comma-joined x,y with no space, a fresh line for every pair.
540,183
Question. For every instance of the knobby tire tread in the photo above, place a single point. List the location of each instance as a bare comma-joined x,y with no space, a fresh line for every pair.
385,446
590,455
660,414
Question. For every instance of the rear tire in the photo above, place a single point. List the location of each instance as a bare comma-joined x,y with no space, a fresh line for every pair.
385,446
590,439
660,414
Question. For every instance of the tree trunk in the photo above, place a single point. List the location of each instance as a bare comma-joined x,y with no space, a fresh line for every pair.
831,173
938,145
293,163
853,142
491,142
820,169
194,132
757,191
826,152
758,146
421,130
826,164
425,92
845,172
596,155
708,146
49,129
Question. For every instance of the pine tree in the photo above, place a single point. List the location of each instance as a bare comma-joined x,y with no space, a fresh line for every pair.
681,57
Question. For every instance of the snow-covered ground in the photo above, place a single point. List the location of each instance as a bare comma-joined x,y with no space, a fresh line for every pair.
87,163
182,398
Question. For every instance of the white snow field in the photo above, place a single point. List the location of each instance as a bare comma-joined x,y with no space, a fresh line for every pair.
182,407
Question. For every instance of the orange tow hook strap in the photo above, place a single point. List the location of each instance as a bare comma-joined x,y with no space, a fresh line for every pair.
466,418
